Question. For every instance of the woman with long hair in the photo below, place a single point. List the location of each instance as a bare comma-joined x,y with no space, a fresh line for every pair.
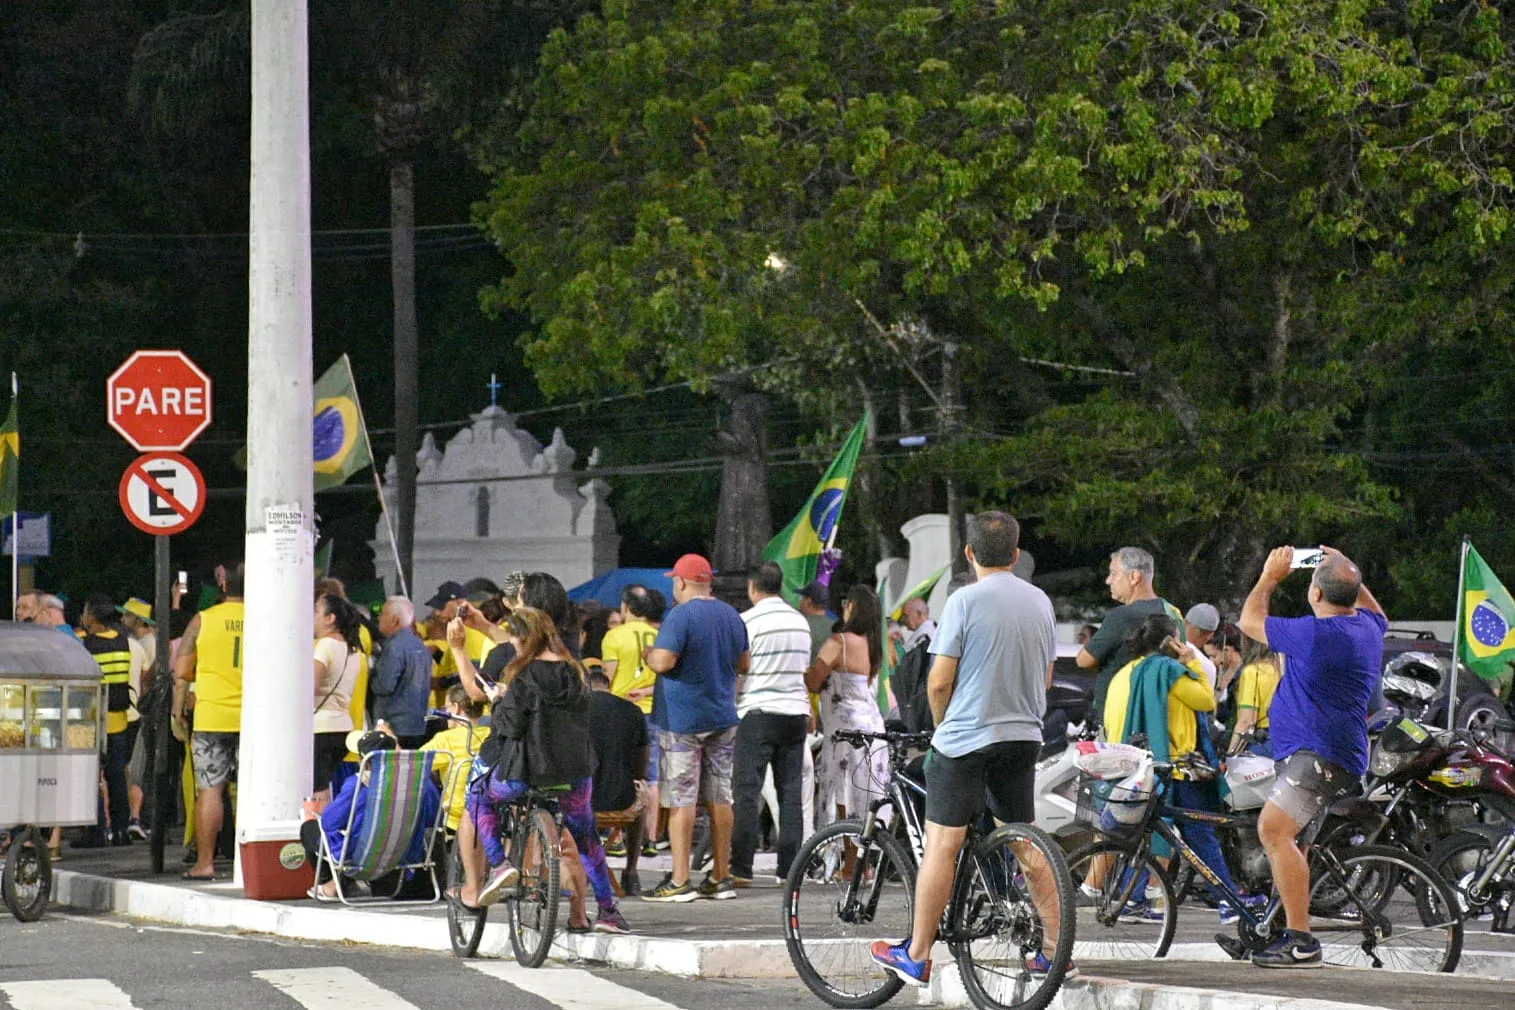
540,739
338,661
845,673
1261,671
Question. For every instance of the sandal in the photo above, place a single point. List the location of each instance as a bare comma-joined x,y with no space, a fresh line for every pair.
455,894
192,875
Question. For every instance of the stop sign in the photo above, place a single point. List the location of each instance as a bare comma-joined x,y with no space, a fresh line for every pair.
158,400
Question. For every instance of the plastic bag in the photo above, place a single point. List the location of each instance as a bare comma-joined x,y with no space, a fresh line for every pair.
1107,760
1128,800
1250,779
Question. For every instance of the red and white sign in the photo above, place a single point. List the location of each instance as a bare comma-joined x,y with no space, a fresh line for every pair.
158,400
162,493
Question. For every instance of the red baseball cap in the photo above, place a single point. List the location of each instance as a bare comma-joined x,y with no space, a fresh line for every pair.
692,568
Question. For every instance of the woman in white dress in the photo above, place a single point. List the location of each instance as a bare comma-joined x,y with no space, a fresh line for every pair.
845,673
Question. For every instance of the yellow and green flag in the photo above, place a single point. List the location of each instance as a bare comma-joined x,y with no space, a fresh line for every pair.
340,437
1486,640
10,461
919,592
797,549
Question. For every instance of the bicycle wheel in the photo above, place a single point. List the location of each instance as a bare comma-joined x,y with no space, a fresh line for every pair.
532,905
465,926
831,916
1393,912
27,880
1457,859
1015,880
1126,909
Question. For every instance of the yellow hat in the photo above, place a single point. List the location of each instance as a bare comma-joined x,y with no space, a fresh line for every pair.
137,608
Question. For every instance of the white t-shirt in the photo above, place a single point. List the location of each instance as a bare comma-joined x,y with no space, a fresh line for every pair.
778,639
1207,664
334,690
927,630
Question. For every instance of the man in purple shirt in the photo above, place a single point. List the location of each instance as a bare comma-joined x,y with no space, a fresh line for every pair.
1319,724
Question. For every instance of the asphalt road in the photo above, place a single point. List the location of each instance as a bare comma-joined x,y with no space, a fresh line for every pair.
81,962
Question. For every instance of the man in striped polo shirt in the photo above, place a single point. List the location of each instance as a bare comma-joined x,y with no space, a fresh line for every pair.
775,711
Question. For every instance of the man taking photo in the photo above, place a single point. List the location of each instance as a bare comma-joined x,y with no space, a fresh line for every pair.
1319,723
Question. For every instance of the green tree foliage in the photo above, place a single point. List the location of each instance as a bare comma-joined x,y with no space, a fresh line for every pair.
1302,183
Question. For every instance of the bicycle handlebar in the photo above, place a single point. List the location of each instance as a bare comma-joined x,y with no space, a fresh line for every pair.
860,737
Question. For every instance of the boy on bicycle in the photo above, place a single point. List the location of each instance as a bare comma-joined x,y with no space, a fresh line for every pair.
1319,723
992,663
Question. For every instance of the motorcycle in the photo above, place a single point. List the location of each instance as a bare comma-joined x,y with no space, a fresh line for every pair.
1478,859
1420,811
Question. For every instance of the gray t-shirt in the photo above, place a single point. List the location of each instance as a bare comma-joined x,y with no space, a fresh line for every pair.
1004,635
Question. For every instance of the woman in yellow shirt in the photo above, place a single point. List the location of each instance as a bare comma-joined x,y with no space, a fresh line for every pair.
1262,670
1159,654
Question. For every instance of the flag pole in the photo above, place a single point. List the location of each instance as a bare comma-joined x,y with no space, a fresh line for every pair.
1462,568
16,515
373,463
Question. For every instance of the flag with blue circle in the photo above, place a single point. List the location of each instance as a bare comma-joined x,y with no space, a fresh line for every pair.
339,437
797,549
1487,641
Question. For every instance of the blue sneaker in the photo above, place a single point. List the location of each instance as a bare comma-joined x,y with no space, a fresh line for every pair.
1292,949
1254,903
896,959
1041,964
1140,912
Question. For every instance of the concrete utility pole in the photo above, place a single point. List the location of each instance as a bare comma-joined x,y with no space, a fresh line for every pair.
277,691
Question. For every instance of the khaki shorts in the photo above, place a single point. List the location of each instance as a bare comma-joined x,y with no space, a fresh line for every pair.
696,767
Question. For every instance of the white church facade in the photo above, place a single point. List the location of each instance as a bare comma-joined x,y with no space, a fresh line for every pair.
495,499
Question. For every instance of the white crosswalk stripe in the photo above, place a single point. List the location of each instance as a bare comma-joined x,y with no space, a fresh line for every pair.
332,989
570,988
66,994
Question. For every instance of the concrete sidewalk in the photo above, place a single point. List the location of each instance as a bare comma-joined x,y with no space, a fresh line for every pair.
743,939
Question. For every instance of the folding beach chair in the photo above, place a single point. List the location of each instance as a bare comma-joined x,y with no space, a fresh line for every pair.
393,812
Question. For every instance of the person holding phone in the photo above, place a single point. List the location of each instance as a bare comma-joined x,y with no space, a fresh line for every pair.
1164,695
1318,721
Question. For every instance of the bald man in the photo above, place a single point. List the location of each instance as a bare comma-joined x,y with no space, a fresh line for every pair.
917,617
1319,725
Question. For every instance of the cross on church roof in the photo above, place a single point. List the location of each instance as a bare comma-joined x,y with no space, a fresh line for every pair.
494,390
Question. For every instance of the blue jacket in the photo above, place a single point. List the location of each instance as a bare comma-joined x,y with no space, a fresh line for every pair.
334,818
401,683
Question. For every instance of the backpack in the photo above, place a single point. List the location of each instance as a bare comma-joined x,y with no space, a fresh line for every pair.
909,679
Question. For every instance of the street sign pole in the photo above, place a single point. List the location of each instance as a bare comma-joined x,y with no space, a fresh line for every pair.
165,795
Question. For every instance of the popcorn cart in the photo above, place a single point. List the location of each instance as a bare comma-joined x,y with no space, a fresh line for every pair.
52,726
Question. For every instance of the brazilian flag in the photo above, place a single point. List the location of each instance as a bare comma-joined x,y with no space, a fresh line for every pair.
341,446
1486,640
797,549
10,461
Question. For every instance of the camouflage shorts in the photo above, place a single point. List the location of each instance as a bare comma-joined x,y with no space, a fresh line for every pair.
696,767
215,758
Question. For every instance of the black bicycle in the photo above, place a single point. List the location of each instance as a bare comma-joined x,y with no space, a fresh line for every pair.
532,829
1371,905
854,881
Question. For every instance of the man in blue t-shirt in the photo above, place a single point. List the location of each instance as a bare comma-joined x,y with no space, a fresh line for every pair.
700,650
1319,724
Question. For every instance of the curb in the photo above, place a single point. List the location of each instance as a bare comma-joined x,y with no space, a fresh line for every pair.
712,959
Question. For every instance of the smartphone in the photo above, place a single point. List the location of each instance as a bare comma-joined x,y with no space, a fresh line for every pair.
183,582
1171,647
1307,557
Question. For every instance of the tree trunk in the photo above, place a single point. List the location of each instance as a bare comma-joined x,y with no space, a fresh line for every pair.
402,270
743,523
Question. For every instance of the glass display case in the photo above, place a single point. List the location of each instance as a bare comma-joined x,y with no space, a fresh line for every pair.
51,727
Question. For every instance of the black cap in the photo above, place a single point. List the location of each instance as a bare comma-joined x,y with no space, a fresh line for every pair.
817,592
446,593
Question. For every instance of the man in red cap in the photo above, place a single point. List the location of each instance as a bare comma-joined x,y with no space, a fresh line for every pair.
700,650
